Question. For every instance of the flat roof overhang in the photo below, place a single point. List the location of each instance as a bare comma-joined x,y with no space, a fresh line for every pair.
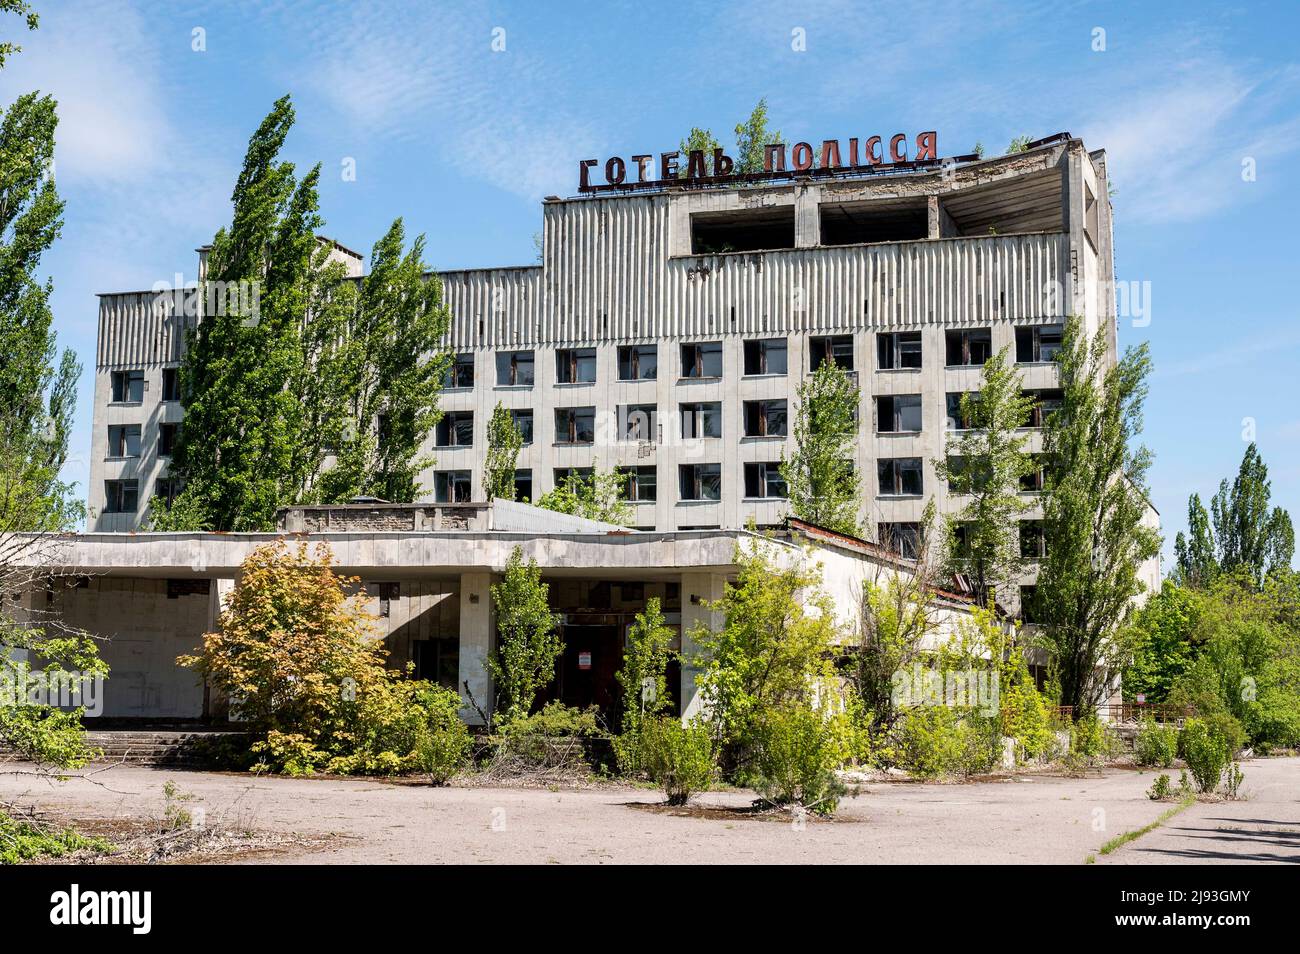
398,555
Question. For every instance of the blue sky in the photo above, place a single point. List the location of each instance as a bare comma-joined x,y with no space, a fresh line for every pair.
463,141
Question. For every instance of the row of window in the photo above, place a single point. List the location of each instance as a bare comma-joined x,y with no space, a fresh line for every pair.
895,350
895,414
904,538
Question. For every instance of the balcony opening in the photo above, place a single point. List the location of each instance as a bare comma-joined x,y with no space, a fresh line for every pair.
742,230
700,481
837,350
765,418
862,223
970,347
763,481
1037,344
898,350
641,483
766,356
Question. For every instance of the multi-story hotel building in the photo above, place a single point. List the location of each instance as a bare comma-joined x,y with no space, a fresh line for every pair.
666,332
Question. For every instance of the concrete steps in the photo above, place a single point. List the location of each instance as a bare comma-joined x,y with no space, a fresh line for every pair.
152,747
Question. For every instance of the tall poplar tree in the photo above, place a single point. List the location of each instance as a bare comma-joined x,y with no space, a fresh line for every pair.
504,442
1094,510
984,467
820,478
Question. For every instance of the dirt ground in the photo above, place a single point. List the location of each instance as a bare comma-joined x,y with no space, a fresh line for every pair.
1023,819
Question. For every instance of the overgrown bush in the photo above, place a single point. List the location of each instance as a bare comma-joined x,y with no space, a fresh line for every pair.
798,751
1088,741
1160,789
934,741
678,758
551,739
25,841
442,740
1026,717
1156,744
1206,753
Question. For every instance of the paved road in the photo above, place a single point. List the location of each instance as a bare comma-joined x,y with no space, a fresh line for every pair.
1032,819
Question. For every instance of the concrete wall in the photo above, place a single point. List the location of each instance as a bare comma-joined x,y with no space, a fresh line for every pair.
142,633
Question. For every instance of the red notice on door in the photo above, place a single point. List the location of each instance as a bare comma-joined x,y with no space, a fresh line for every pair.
584,660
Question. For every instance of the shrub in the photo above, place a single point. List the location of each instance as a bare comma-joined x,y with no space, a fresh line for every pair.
1156,744
679,758
442,740
1160,789
24,841
1025,713
1206,753
941,740
552,738
799,750
1088,738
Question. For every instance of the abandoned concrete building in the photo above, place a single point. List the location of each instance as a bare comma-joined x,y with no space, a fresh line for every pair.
426,571
665,332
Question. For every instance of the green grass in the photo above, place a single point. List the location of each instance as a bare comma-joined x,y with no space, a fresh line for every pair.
21,841
1120,841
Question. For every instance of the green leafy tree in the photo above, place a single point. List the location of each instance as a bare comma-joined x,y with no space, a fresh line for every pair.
528,638
751,136
702,140
37,395
23,9
820,477
1094,516
1197,563
383,362
600,496
772,651
1018,144
1250,535
504,441
643,677
235,450
896,625
984,467
1164,634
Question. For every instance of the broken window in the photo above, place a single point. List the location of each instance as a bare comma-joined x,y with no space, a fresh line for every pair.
966,475
127,386
1038,344
961,418
575,425
524,423
524,485
703,360
638,363
1033,542
515,368
896,350
962,535
637,422
1046,403
575,366
124,440
701,482
837,350
898,413
702,419
766,356
166,489
901,538
121,496
763,481
386,594
460,373
1028,604
642,483
1032,482
451,486
969,347
171,384
456,429
742,230
899,476
167,439
562,475
765,418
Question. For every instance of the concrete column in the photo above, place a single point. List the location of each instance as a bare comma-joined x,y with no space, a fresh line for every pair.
697,590
215,704
476,625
